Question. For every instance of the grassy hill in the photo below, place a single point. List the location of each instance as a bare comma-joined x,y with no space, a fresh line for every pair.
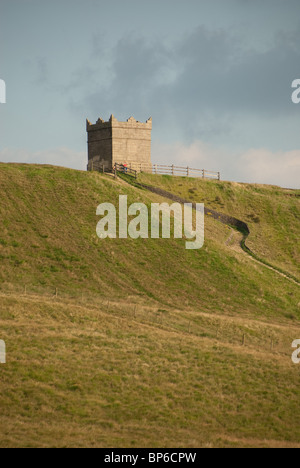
142,342
272,213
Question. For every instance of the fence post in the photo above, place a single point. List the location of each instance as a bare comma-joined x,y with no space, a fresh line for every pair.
219,176
172,169
203,173
187,171
155,168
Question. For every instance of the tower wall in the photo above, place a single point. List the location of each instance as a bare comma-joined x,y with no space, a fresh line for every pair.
119,142
99,145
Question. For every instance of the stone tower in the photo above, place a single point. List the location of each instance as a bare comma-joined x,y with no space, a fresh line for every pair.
119,142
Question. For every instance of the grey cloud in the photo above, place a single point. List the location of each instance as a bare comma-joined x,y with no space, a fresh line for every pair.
208,78
39,68
221,75
41,71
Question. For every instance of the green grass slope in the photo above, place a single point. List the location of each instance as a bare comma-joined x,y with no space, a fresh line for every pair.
145,343
272,213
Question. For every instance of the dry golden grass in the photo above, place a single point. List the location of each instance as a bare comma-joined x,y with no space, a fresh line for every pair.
79,375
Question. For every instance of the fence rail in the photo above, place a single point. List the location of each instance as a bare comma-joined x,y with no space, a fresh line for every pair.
125,170
183,171
134,168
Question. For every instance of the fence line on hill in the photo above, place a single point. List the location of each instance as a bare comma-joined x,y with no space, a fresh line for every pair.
183,171
125,170
160,169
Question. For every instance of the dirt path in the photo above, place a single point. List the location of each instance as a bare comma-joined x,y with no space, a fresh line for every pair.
234,241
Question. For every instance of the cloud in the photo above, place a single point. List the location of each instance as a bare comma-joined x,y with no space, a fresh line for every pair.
198,155
264,166
254,166
42,71
200,86
39,70
57,157
135,69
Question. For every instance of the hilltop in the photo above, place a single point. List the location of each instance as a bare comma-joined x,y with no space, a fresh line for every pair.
141,342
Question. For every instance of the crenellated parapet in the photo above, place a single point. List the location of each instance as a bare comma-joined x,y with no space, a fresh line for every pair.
130,123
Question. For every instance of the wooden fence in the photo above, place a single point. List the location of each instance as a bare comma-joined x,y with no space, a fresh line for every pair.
125,170
183,171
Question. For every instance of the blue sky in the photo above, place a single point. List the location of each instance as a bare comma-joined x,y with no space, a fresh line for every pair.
215,75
